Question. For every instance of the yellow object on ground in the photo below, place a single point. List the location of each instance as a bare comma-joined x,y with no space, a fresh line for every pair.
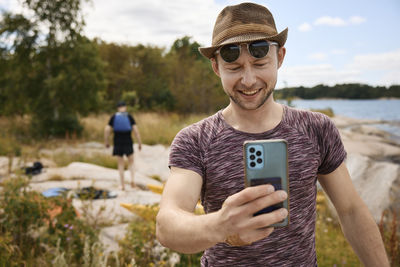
156,188
320,198
199,209
147,212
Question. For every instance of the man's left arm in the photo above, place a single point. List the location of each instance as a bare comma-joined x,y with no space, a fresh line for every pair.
357,223
137,136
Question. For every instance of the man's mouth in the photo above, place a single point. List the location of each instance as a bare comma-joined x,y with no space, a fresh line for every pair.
249,93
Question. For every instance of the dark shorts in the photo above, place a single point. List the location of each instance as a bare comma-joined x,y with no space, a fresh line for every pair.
122,150
123,144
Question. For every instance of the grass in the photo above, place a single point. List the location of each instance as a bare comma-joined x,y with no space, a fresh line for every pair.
326,111
154,128
333,248
156,177
331,245
389,227
63,159
161,128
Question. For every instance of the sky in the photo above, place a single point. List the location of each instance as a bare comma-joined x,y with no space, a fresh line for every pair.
329,42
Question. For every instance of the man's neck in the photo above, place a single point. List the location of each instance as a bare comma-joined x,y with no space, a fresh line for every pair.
263,119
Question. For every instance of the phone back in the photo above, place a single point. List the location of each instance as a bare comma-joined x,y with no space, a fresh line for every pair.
266,162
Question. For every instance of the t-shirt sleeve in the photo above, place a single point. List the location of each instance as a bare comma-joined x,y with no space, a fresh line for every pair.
131,119
111,121
185,151
332,152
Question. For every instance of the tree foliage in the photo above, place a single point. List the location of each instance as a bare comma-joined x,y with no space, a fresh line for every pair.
176,80
193,84
51,71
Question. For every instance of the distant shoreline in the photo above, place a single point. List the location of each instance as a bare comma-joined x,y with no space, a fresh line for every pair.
352,99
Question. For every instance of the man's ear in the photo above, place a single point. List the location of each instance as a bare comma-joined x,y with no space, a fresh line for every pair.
281,56
214,64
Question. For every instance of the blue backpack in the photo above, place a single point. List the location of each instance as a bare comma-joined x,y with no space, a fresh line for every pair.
122,122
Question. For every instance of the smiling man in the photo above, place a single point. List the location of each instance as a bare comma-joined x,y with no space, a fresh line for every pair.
206,162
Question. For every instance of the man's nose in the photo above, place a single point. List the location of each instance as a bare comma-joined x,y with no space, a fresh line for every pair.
248,76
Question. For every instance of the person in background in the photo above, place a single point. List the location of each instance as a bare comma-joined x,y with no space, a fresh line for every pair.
206,161
123,124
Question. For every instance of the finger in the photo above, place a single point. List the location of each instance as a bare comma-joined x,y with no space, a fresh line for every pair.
265,201
265,220
249,194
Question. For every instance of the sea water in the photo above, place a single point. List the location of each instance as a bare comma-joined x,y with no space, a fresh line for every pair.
385,110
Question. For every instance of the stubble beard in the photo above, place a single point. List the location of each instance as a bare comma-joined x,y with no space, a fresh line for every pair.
242,105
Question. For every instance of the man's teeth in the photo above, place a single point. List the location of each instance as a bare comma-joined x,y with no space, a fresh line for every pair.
249,92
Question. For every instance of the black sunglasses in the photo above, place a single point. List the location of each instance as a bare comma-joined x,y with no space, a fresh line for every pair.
257,49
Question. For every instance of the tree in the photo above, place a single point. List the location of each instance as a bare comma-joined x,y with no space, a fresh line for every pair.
140,69
192,82
56,71
18,38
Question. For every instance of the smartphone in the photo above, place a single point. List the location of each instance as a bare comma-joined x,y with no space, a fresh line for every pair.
266,162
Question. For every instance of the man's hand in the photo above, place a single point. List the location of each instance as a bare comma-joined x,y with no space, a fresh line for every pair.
107,145
236,222
199,232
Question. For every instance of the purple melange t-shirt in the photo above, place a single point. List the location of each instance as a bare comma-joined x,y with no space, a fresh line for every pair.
214,149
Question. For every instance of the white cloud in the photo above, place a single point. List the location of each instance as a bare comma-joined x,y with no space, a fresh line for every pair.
357,20
14,6
305,27
338,52
337,21
318,56
155,22
330,21
311,75
390,78
374,69
389,61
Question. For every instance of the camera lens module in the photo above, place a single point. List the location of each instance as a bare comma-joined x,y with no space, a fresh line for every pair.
255,156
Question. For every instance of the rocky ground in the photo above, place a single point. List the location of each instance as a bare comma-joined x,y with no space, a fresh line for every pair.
372,161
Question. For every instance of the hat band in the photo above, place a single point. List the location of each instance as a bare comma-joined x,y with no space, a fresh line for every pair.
242,29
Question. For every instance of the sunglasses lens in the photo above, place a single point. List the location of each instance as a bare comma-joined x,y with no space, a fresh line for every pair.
259,49
230,52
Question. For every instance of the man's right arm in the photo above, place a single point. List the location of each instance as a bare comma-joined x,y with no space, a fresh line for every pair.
107,131
181,230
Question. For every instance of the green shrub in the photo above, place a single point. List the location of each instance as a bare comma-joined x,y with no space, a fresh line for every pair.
327,111
389,227
34,226
140,243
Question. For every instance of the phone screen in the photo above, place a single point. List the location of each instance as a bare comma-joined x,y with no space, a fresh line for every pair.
276,182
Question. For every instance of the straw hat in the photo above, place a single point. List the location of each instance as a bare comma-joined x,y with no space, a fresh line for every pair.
243,23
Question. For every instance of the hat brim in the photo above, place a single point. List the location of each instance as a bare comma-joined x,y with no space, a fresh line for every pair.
280,38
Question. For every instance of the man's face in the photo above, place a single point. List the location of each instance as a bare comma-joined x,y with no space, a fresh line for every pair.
122,109
249,81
